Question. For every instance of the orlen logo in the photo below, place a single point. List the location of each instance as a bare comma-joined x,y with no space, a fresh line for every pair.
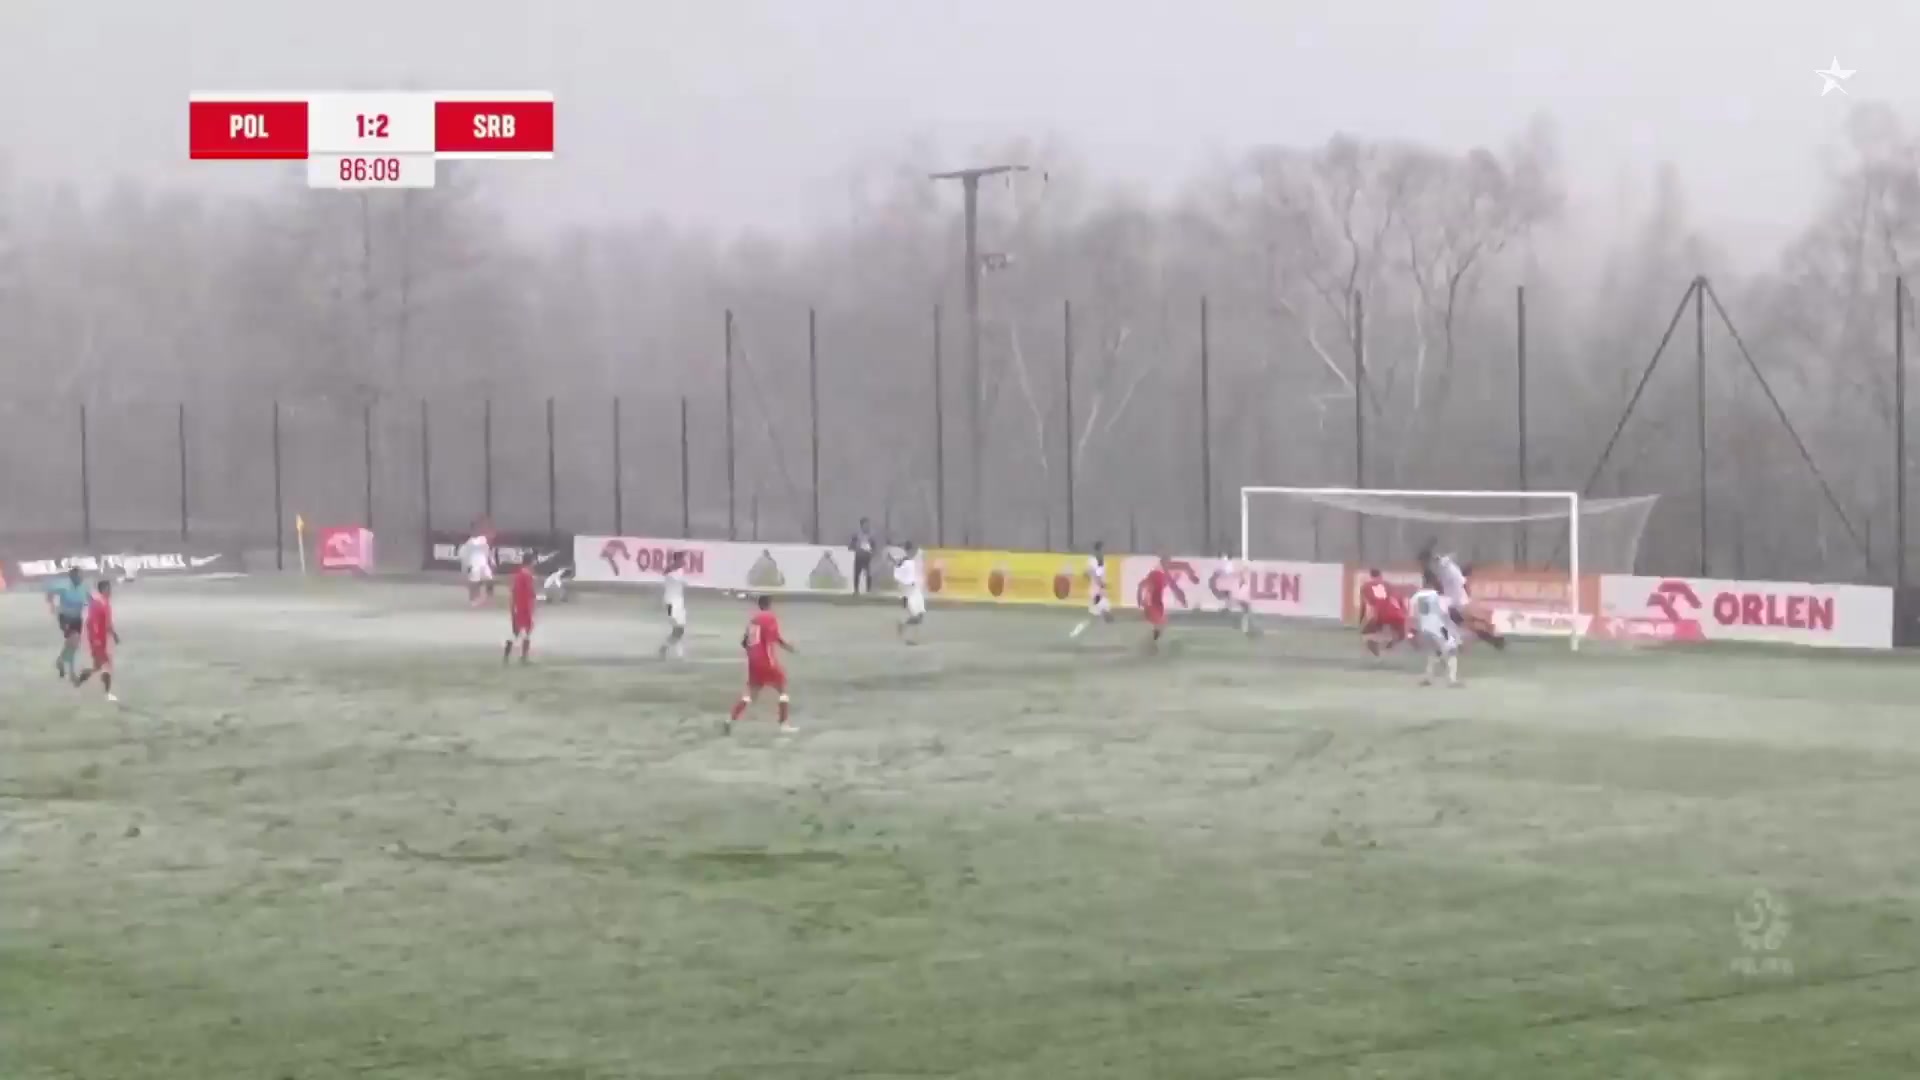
1795,611
650,560
1666,596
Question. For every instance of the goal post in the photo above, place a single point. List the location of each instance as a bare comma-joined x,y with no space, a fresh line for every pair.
1541,543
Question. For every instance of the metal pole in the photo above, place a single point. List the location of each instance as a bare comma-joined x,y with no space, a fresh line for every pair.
86,484
181,443
1067,351
1700,377
975,532
366,439
939,442
619,510
426,473
553,477
279,503
813,403
1899,433
486,456
686,489
733,532
1520,403
1206,432
1359,418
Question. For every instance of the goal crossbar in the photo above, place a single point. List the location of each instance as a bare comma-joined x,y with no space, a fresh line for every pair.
1571,499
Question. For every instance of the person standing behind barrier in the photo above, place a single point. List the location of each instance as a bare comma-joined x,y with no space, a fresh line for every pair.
862,547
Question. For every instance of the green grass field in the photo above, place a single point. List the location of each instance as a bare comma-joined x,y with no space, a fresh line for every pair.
327,835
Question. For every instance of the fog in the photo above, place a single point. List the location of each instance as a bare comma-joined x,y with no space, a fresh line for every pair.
1284,162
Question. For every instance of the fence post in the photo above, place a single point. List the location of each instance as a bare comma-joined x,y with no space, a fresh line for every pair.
486,457
1066,350
1520,405
426,472
366,433
1206,432
553,477
619,511
181,443
1360,418
733,532
813,403
279,504
686,489
939,442
1899,433
86,484
1700,379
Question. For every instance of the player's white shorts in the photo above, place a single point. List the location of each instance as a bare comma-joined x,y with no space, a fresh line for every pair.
1441,641
916,604
1099,604
1458,597
479,574
677,614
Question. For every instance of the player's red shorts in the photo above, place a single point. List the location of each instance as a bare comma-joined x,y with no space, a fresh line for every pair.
522,621
766,676
1395,623
1156,617
102,655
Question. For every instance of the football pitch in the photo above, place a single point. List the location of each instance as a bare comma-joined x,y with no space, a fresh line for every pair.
328,835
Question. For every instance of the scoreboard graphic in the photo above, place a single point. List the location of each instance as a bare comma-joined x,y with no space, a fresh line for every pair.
378,140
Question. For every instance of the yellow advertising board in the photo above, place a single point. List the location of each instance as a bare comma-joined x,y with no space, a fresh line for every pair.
1008,577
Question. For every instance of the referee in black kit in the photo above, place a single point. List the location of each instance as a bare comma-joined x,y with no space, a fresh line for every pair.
862,547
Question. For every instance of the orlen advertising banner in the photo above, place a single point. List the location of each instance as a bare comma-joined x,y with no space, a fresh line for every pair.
345,547
1783,612
1525,603
1009,577
714,564
1299,590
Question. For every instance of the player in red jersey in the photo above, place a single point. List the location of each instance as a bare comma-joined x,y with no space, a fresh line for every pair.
522,615
1383,618
763,664
1153,599
101,637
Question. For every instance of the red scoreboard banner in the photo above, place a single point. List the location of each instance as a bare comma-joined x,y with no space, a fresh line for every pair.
363,140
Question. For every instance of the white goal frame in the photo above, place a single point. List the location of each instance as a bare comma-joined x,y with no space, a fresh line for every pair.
1570,498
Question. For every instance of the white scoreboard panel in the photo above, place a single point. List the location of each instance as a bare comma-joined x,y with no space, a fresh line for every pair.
357,140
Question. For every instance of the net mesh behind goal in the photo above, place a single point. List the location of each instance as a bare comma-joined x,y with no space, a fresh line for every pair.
1480,529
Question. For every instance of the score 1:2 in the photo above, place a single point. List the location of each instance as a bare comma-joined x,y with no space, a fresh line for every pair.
371,127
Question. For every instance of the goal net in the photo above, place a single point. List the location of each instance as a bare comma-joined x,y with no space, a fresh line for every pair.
1532,557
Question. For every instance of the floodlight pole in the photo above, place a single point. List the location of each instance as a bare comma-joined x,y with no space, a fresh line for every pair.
970,186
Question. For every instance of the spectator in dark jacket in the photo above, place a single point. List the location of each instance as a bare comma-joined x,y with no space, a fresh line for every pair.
862,546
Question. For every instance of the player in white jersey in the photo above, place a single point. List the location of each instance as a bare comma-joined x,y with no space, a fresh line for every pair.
1233,582
1450,581
673,589
476,558
1433,629
913,595
1099,605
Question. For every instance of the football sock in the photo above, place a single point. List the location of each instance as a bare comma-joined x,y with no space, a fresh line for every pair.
783,710
740,707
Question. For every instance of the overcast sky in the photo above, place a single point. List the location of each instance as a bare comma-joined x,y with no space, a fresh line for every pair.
737,113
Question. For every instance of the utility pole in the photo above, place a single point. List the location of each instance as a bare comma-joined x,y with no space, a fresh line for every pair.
975,532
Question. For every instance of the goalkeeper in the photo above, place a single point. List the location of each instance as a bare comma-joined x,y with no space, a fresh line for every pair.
1445,571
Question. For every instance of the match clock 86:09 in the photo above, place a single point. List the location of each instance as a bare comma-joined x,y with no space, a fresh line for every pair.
370,171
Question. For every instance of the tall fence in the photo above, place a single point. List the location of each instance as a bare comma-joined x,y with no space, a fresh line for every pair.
799,435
